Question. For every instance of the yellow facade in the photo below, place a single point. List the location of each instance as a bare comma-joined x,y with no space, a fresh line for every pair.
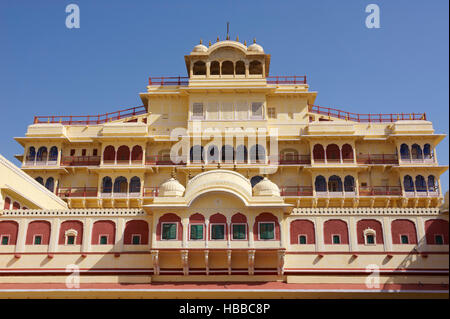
230,175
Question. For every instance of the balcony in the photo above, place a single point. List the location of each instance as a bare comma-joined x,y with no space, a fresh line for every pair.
67,192
377,159
151,191
91,119
107,193
366,118
427,159
431,191
80,160
125,162
296,191
294,159
334,193
295,79
40,161
380,191
162,160
184,80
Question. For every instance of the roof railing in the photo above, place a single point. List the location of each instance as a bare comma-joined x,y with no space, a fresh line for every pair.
91,119
168,80
294,79
366,118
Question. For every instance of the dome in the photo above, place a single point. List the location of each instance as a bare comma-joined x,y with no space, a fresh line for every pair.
200,48
171,187
266,188
255,47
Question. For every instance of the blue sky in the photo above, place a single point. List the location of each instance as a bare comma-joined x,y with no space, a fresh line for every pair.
47,69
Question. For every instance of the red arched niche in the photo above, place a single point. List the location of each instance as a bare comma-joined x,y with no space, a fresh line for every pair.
219,219
302,227
104,227
266,217
9,228
403,227
39,227
71,224
335,227
363,224
436,227
136,227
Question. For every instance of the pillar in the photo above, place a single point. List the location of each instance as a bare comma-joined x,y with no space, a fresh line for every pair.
120,231
387,234
54,232
319,234
352,234
87,235
185,223
22,235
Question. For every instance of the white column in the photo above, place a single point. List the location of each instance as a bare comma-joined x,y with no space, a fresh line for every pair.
87,235
185,223
206,232
54,232
421,235
154,242
229,232
120,230
251,231
319,234
22,235
387,234
352,234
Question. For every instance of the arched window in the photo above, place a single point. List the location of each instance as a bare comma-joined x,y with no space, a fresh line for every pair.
240,67
257,153
255,67
9,230
347,153
42,154
305,228
241,154
214,68
320,184
333,153
7,203
123,154
120,185
369,232
416,152
319,153
403,232
227,68
349,183
404,151
335,232
213,154
408,183
106,184
71,233
135,185
136,232
104,232
255,180
421,185
199,68
136,154
40,180
109,154
38,233
53,155
432,187
427,154
196,154
436,232
16,205
334,184
50,184
31,154
227,154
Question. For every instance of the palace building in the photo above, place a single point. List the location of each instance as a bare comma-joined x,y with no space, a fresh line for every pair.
228,182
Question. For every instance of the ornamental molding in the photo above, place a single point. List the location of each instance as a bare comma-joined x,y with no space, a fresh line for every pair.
365,211
117,212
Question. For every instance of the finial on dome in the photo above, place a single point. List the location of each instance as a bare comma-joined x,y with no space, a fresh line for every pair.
254,40
245,42
237,38
201,41
209,43
218,39
173,174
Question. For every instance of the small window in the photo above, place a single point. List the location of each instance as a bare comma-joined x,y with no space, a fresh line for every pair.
72,152
266,231
197,111
5,240
438,240
196,232
271,113
83,152
239,231
38,240
136,239
336,239
95,152
165,116
103,240
169,231
217,232
302,240
404,239
370,239
70,240
257,110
